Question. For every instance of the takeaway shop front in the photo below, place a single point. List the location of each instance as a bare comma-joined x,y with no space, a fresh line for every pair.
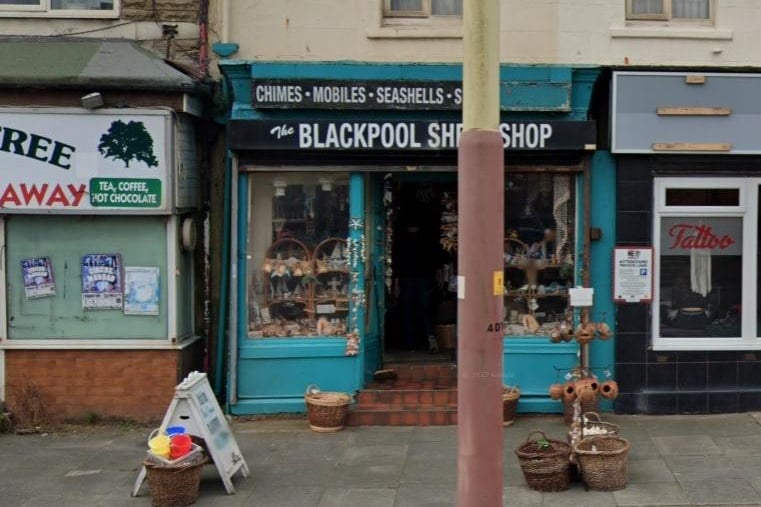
344,212
97,236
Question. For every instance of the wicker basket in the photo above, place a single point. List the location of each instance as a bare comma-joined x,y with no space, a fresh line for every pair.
603,462
327,411
446,336
510,397
174,485
545,469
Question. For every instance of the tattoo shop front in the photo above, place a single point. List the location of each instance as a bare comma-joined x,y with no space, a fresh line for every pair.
343,189
689,183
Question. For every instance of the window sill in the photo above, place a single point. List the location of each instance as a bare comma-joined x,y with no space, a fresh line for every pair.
670,32
105,344
414,32
736,345
60,15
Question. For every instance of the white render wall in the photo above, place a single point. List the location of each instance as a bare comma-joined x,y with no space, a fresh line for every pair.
533,31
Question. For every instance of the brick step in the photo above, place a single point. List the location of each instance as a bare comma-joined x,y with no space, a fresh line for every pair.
406,398
420,416
431,372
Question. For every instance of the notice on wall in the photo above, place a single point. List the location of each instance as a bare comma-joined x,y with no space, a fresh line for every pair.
141,290
102,287
38,277
632,275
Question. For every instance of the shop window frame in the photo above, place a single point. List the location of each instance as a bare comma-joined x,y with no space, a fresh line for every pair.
426,12
45,10
746,209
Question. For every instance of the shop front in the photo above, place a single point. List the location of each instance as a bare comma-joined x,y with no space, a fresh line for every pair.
688,189
344,212
97,284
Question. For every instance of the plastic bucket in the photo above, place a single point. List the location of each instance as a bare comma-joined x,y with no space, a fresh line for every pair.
180,446
175,430
160,446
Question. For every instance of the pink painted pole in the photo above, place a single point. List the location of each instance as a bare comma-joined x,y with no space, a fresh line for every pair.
480,460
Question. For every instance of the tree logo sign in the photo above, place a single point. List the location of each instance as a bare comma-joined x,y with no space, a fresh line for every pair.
127,142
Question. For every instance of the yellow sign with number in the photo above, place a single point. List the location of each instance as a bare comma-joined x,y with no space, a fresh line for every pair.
499,283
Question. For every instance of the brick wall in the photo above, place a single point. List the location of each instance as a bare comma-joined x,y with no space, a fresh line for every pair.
136,385
161,10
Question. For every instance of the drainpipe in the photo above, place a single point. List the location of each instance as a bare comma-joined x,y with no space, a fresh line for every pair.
203,38
224,279
232,388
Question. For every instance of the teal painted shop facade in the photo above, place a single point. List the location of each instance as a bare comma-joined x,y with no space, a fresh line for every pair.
328,161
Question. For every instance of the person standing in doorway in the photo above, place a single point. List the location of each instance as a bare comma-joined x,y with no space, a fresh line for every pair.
415,263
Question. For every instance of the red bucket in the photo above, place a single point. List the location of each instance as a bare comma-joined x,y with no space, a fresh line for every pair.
180,445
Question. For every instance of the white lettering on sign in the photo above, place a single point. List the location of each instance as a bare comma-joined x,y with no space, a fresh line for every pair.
338,94
405,135
278,93
281,131
43,195
689,236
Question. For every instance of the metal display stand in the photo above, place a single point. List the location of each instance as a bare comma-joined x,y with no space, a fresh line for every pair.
195,408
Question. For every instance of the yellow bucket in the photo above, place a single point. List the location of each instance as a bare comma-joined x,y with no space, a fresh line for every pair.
159,445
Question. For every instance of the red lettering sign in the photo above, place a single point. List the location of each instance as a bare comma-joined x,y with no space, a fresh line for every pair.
42,195
689,236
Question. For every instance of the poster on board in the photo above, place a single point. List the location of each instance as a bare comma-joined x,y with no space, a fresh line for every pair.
141,290
38,277
102,281
633,275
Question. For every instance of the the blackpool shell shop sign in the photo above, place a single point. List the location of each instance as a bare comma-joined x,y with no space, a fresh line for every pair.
403,135
62,161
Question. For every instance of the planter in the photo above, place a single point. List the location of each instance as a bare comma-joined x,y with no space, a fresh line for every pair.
327,411
545,463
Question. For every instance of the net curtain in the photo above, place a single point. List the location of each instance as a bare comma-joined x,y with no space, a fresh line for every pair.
679,8
438,7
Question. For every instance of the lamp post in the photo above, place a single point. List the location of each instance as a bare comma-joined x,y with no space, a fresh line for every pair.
480,460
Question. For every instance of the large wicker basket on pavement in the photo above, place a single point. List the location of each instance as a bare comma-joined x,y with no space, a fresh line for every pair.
174,485
327,411
545,463
603,462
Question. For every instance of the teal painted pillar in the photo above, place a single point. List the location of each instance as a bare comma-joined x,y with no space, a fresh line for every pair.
241,255
603,216
358,259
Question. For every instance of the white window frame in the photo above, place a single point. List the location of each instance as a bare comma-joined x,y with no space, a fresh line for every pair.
44,10
747,210
666,15
425,12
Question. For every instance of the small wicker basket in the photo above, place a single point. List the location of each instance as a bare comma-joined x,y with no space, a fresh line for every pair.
594,426
603,462
545,469
446,335
174,485
327,411
510,397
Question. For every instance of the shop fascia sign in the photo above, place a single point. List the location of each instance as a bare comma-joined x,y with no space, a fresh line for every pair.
355,94
70,161
403,135
717,235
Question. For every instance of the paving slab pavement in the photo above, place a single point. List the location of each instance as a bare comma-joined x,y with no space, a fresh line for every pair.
674,460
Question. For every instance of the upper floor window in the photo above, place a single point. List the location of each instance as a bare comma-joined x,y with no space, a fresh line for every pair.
421,8
60,8
665,10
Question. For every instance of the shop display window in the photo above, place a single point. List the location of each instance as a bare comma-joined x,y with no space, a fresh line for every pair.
539,251
298,259
705,260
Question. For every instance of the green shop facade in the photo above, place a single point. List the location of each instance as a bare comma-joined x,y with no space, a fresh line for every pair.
330,163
